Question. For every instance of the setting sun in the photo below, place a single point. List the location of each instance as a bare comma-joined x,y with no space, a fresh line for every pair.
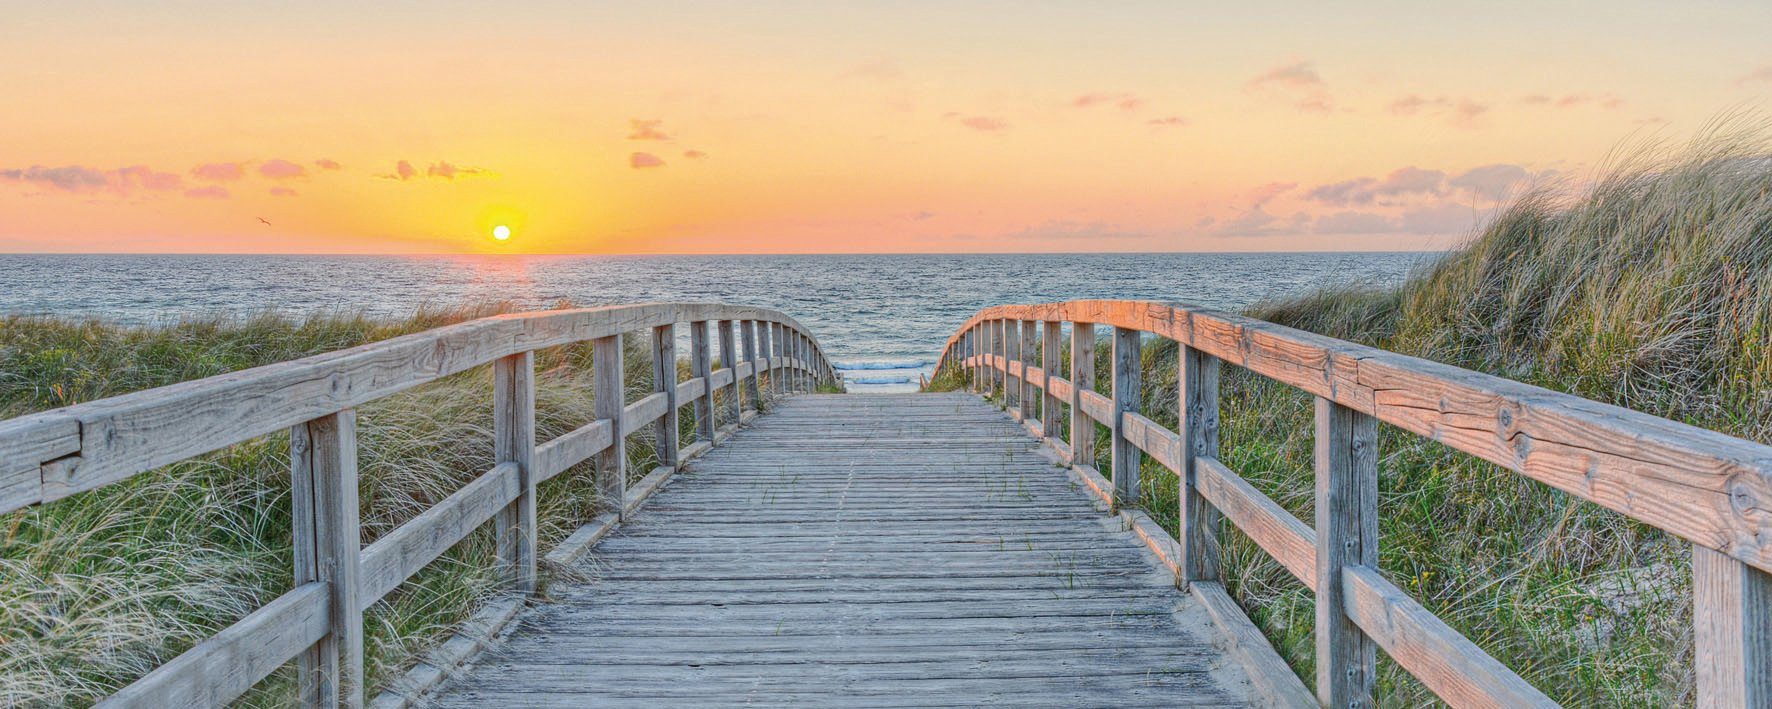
501,232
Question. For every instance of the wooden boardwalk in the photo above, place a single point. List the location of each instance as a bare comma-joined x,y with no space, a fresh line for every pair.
884,550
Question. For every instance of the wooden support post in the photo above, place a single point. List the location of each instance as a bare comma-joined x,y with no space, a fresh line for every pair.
328,547
729,358
982,375
664,379
1049,359
771,356
1198,399
513,435
610,398
1011,355
1732,631
1082,379
1127,396
748,330
701,365
1029,399
1347,535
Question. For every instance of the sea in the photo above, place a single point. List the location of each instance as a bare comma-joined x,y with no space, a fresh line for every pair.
881,318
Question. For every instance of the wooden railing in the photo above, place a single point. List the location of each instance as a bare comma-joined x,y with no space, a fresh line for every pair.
1712,490
48,456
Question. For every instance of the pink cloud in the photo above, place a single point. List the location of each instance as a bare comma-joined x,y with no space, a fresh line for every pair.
695,154
1300,83
1761,75
641,161
146,178
282,192
985,124
1574,100
646,130
210,192
1462,112
326,164
279,169
450,171
87,180
403,171
1119,99
1169,121
219,171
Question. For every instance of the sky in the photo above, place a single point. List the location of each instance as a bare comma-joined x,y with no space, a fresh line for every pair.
820,127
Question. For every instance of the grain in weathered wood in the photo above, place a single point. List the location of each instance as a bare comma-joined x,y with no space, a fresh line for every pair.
1198,416
753,395
1346,457
644,412
801,563
1050,361
323,454
572,448
608,392
1128,349
1284,537
1270,674
513,414
664,380
701,366
1082,380
1732,619
1455,669
1029,399
401,553
729,361
223,667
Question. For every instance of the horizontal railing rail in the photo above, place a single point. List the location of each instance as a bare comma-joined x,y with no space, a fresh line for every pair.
1710,489
51,455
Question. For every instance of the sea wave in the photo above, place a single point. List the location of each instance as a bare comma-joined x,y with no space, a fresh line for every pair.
877,380
863,366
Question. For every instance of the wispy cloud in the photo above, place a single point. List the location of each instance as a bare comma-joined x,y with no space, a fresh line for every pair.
326,164
282,192
695,154
279,169
641,161
219,171
985,124
1168,121
209,192
81,179
1402,182
1574,100
403,171
646,129
449,171
1462,112
1299,83
1123,100
1760,75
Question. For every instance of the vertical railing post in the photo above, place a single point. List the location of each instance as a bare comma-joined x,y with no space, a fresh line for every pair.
1049,359
609,398
1028,401
986,346
771,356
1127,395
804,356
1347,535
1198,416
1012,356
1082,379
701,365
1732,631
748,331
328,548
664,379
729,358
513,435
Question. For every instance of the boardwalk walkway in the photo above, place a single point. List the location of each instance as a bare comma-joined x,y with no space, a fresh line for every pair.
881,550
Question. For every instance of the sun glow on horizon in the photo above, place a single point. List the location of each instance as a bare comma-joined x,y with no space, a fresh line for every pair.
501,232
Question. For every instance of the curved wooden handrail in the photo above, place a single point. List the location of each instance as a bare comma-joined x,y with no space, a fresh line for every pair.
54,454
1711,489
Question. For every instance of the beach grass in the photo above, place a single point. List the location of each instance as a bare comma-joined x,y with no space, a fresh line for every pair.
1648,285
99,588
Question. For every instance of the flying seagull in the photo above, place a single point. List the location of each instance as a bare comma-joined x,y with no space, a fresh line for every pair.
262,219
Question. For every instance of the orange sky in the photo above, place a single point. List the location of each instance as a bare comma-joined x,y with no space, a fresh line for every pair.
829,127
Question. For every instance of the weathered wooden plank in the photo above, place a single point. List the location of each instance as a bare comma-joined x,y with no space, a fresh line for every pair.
323,458
1456,670
664,381
1128,394
691,389
124,435
608,389
572,448
26,445
729,358
1347,535
747,329
513,414
401,553
1050,359
1677,477
720,379
1268,672
1096,406
1732,622
1198,416
1151,438
1082,381
643,412
1284,537
223,667
701,367
1030,397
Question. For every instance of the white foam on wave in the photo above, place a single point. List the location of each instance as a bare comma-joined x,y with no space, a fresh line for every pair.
876,380
865,366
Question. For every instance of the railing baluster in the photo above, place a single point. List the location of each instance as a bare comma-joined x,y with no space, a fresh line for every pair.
1011,356
729,358
770,352
1127,395
1049,359
748,330
1732,631
664,379
1029,400
1082,379
328,547
610,398
1198,399
1347,535
513,415
701,365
